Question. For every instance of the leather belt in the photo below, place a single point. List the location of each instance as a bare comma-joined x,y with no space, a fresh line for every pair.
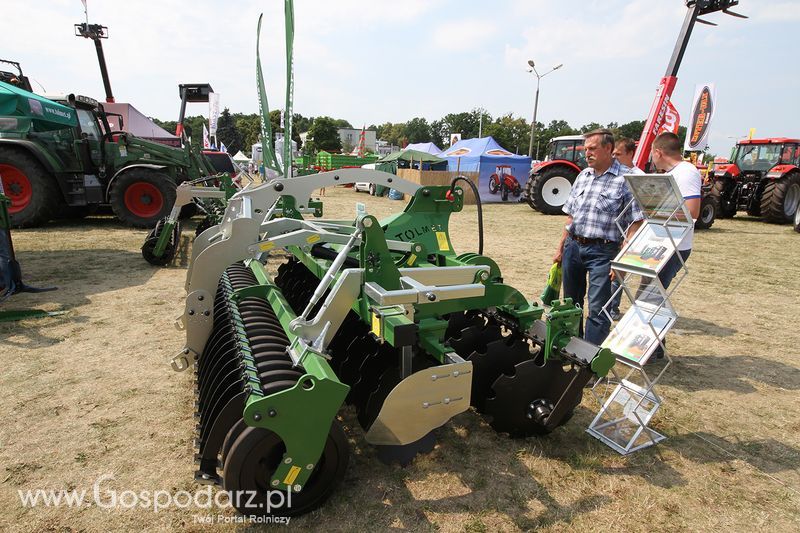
586,240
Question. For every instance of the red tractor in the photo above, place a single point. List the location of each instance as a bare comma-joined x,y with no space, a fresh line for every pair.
763,178
550,181
504,181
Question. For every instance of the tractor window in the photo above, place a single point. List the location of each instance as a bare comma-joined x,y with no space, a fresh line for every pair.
758,157
89,124
60,143
567,150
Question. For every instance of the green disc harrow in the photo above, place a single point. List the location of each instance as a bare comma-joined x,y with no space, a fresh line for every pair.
287,319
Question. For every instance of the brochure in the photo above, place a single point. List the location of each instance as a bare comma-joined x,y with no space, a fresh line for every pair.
658,195
651,247
633,338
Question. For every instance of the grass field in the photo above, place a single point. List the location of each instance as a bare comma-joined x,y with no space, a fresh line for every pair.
89,393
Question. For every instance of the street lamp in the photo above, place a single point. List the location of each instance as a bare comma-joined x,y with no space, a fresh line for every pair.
536,101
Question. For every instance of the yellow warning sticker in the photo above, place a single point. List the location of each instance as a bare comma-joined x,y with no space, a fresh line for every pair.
312,239
376,324
292,475
411,260
266,246
443,244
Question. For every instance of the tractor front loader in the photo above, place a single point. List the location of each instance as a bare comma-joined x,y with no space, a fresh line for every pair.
381,314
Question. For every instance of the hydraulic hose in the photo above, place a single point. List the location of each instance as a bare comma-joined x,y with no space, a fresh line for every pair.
478,203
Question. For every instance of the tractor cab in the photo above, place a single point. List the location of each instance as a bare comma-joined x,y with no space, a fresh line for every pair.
567,148
762,178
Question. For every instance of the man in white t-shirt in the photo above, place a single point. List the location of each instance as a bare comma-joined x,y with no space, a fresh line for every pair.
667,157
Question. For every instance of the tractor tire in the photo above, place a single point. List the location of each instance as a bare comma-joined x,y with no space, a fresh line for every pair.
722,190
780,199
797,220
141,197
33,191
548,191
709,207
503,191
494,184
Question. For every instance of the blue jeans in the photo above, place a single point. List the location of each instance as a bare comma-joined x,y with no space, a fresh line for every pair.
594,260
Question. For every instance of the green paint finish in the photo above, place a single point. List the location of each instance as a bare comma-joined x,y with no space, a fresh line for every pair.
431,337
301,415
563,323
603,362
163,238
425,219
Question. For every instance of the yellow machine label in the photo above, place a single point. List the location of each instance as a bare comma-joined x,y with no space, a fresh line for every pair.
376,324
312,239
411,260
292,475
443,244
266,246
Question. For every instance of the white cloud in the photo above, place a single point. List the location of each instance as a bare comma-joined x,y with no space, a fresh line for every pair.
466,34
597,34
772,11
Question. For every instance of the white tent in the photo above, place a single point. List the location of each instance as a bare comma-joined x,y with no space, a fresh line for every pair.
241,158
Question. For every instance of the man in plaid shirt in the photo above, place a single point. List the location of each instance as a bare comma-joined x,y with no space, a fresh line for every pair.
591,238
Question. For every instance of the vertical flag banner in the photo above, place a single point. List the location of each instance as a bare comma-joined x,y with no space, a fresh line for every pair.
703,106
213,113
206,141
267,145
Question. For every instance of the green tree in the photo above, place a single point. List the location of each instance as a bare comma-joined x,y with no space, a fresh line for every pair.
465,123
323,135
590,127
417,130
228,133
250,128
341,123
631,129
511,133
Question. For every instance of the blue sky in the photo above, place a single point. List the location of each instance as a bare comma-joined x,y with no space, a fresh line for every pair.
377,61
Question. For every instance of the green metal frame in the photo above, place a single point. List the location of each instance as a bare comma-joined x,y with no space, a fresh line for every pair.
301,415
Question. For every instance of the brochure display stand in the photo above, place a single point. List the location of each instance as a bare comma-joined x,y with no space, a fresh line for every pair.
627,397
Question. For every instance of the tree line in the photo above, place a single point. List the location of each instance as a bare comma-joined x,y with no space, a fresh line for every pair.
239,131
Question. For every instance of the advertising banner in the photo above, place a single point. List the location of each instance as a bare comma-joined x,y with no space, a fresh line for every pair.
213,113
702,112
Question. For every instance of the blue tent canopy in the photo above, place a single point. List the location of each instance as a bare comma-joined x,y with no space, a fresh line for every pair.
430,148
483,156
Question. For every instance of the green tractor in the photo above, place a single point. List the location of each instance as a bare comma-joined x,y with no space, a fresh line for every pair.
59,156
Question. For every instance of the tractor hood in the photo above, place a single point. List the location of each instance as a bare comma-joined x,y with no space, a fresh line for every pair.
45,114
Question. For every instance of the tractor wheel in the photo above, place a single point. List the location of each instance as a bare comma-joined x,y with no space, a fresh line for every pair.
722,191
780,199
797,220
141,197
504,191
709,206
254,456
33,192
549,190
494,184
